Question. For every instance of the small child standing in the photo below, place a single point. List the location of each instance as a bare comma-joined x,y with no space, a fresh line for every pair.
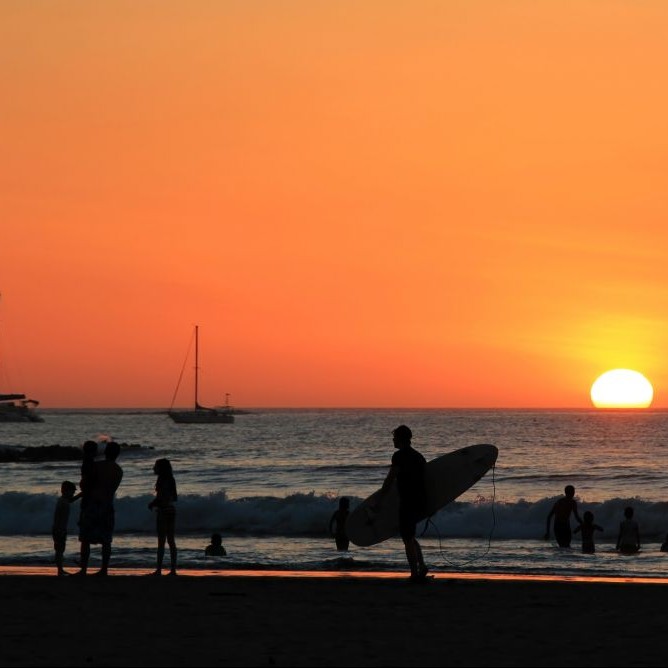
587,528
61,517
338,523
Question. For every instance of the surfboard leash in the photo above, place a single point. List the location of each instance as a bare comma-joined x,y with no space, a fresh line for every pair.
489,540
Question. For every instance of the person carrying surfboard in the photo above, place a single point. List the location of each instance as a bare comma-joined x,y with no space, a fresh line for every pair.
408,470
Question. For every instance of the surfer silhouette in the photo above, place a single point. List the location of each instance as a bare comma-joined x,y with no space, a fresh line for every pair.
408,470
561,511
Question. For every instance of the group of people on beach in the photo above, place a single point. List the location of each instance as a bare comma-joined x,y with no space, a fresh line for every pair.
407,470
98,485
101,479
628,538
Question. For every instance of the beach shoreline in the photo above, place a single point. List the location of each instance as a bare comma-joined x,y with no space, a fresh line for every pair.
294,574
293,618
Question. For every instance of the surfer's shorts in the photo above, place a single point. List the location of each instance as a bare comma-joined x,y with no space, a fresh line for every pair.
96,523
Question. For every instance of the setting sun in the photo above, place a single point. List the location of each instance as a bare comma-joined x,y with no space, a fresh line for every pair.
622,388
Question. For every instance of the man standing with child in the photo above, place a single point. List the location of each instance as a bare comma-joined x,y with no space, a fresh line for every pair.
97,517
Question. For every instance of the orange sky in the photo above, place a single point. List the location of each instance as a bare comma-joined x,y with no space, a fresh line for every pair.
371,203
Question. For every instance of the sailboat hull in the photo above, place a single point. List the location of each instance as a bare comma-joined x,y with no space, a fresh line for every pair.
201,417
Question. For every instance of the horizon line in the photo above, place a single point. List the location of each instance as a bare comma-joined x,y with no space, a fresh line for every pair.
164,409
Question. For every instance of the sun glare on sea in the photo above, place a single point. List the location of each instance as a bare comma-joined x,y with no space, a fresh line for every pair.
622,388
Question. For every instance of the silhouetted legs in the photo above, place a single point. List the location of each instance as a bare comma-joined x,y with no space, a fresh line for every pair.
415,559
84,557
169,538
106,556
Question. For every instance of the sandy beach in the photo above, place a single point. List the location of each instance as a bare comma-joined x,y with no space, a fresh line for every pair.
127,620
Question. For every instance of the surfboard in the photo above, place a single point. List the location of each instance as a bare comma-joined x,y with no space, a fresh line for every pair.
446,478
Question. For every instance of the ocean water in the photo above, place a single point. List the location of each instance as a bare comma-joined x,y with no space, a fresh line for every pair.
270,482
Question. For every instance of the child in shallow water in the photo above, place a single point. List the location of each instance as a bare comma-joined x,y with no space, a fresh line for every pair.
216,548
587,529
628,541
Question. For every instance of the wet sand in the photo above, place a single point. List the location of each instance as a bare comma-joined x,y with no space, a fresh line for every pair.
130,620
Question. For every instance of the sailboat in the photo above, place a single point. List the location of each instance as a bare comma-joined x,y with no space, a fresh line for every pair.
200,414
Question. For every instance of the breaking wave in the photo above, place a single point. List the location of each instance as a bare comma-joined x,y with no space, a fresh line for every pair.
307,514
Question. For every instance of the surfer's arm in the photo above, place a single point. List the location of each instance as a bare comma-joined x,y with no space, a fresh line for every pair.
575,512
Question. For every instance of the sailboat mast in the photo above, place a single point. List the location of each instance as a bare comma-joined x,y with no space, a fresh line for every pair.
196,364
